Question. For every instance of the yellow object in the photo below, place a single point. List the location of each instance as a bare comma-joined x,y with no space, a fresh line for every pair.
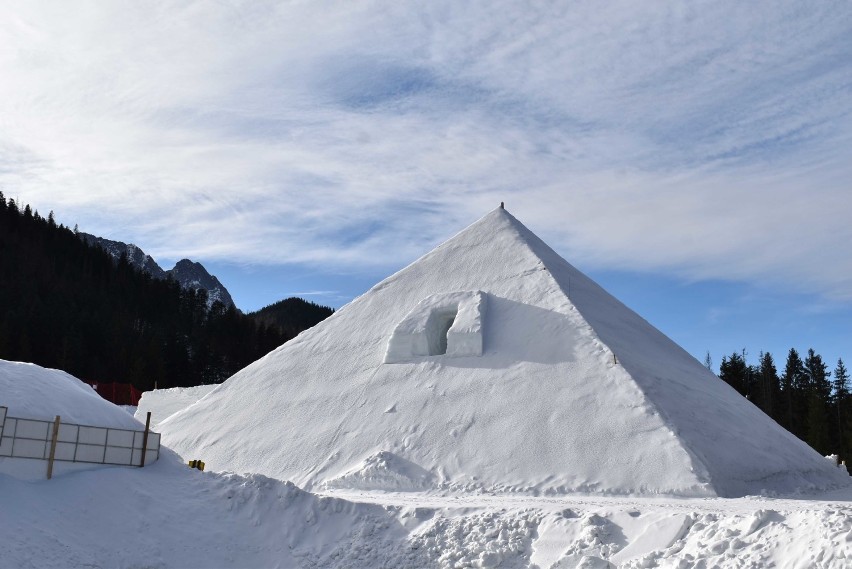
198,464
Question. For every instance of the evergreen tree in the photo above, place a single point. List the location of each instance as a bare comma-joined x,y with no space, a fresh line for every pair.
818,389
708,361
67,304
790,382
841,405
816,376
817,427
768,384
734,371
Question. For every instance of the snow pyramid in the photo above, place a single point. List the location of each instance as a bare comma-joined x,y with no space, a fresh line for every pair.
493,363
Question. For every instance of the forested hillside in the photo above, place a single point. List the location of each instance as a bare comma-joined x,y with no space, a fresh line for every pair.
806,397
68,305
291,315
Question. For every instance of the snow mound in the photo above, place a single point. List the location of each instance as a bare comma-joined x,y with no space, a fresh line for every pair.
169,516
33,392
163,403
385,471
572,391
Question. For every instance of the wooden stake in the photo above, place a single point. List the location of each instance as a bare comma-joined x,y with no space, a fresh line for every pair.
145,438
53,448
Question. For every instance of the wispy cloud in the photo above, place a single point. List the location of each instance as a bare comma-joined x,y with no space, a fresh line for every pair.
708,139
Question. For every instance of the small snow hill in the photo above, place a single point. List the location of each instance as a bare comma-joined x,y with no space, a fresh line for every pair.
33,392
30,391
491,363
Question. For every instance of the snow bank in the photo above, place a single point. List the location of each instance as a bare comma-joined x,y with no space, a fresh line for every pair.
34,392
385,471
169,516
573,392
163,403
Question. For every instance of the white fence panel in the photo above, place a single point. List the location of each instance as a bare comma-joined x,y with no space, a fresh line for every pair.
29,448
92,436
68,433
65,451
120,438
30,438
6,446
89,453
28,429
117,455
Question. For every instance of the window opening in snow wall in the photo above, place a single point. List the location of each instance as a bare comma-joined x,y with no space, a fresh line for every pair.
445,322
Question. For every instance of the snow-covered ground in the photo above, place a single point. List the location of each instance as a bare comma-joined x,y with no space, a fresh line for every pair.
169,516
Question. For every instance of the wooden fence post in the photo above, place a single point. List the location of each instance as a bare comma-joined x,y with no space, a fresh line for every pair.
53,448
145,438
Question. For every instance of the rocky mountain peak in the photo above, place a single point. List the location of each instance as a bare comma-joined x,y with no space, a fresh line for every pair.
187,273
193,275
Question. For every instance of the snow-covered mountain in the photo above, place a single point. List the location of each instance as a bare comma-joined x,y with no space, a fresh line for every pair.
193,275
187,273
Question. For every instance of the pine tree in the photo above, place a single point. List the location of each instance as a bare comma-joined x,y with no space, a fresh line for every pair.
840,386
734,371
768,379
790,382
818,428
708,361
818,390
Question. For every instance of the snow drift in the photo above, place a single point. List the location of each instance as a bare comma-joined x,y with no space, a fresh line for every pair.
163,403
33,392
572,392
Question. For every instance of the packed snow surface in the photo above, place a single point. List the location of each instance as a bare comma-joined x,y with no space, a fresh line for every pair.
167,516
573,392
163,403
449,324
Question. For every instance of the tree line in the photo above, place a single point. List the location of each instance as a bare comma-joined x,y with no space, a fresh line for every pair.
806,397
69,305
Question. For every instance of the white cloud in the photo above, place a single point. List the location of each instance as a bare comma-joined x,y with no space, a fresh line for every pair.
709,139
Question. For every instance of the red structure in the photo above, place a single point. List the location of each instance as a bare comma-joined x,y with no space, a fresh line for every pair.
118,393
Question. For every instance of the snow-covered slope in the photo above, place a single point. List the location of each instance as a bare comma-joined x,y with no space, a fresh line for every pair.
572,392
163,403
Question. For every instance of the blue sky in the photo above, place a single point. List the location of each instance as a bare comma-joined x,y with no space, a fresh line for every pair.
694,157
